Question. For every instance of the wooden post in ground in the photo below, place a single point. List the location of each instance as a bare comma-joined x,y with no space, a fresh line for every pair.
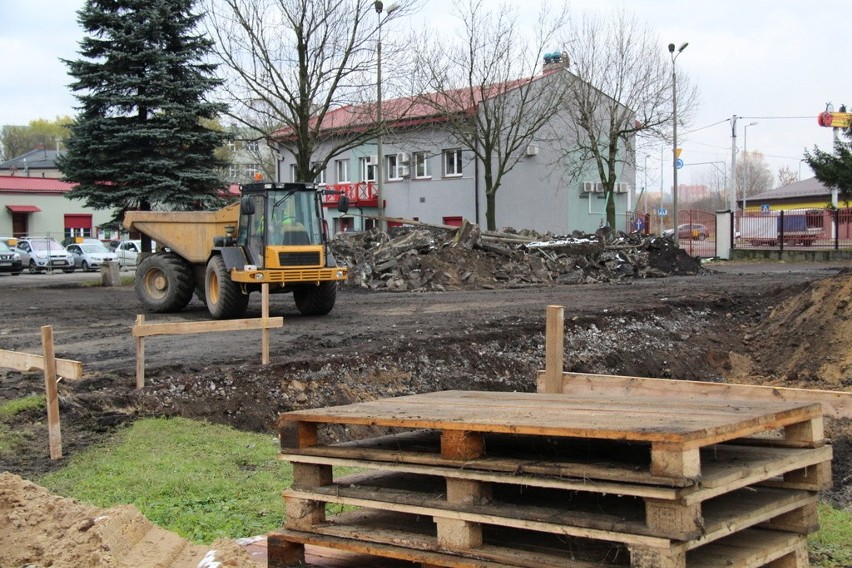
54,430
264,313
554,349
140,354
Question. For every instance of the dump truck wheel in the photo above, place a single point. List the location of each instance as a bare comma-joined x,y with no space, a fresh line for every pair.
225,300
164,282
316,300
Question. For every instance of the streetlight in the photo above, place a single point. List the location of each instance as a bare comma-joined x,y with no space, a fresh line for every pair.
745,162
674,55
380,7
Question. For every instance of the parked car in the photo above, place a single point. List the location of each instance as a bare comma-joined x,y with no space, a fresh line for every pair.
127,253
689,231
41,253
81,240
10,260
90,256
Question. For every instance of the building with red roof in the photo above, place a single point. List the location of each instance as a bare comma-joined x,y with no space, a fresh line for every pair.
430,176
37,206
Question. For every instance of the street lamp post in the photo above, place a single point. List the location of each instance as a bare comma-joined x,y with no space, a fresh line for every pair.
674,55
380,8
745,162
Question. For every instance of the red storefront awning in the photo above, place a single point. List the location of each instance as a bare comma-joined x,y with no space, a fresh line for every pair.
23,208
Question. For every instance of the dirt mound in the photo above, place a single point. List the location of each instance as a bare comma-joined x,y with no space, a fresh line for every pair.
41,529
429,258
808,320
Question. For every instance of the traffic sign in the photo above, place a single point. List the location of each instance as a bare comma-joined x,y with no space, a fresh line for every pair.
764,208
677,152
662,212
679,163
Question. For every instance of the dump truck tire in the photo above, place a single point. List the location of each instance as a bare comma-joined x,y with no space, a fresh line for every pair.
225,299
164,282
316,300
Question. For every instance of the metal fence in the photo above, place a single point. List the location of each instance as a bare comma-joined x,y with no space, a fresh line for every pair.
797,229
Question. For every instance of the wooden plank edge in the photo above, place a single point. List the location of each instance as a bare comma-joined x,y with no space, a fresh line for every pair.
566,530
837,404
27,362
207,326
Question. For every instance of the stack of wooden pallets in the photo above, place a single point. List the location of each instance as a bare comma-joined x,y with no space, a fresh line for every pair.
474,479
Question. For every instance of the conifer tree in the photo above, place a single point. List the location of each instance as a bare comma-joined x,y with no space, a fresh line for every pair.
834,170
140,140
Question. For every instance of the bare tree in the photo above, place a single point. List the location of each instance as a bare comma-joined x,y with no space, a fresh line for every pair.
753,174
290,63
489,85
621,87
786,176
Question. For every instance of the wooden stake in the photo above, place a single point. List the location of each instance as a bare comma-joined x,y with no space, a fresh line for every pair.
54,431
554,349
140,354
264,313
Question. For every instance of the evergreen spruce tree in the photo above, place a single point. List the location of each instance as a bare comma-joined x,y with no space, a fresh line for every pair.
834,170
139,141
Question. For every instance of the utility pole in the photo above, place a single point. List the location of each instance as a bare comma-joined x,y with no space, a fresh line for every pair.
734,165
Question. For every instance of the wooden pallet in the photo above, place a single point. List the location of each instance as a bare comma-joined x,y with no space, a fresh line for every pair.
657,480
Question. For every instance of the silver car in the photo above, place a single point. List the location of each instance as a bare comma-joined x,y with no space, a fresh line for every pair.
43,253
90,256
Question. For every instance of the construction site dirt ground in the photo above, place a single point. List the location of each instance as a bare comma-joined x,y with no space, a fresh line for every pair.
760,323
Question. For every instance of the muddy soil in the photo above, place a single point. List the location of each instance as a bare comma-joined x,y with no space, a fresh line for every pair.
767,323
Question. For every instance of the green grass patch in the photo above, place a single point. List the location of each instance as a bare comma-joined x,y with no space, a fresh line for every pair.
202,481
831,546
13,407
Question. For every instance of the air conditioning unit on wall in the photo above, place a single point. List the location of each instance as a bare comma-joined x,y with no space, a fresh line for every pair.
402,157
403,171
532,150
588,186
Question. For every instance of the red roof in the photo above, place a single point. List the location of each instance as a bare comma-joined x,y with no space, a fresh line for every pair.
23,208
409,111
22,184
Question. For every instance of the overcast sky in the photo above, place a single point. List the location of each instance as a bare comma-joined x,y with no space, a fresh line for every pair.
773,62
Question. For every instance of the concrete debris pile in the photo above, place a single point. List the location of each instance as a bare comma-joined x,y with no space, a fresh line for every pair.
435,258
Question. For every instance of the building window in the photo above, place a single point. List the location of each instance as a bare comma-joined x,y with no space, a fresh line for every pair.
421,165
368,168
233,172
320,179
342,169
252,170
392,167
452,163
252,146
292,172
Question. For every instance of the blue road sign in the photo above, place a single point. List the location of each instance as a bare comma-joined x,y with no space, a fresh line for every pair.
662,212
679,163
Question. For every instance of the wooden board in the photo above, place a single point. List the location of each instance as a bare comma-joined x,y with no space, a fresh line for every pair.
25,362
684,426
837,404
613,518
190,327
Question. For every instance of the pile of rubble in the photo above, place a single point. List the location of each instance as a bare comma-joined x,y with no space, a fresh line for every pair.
434,258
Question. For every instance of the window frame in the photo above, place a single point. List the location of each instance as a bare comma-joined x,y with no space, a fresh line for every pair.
416,157
454,155
320,179
365,168
392,171
342,166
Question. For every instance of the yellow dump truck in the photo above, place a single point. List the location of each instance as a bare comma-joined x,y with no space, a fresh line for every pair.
275,235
